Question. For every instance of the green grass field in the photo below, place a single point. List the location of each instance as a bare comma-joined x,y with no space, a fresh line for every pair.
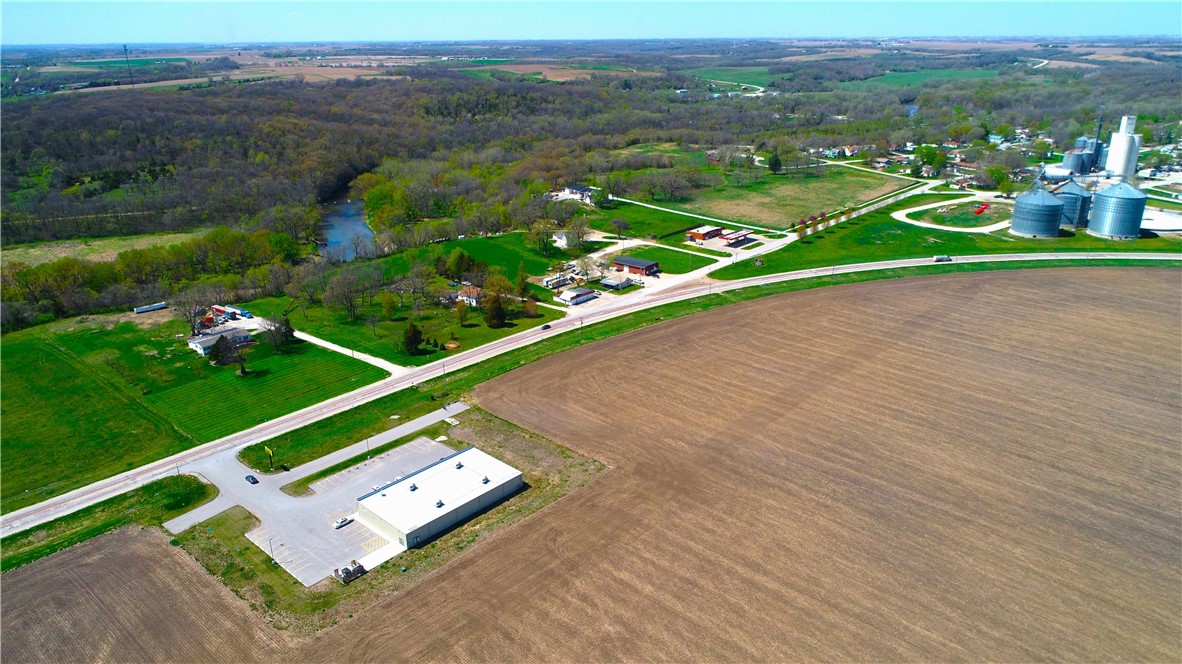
909,78
877,237
962,215
508,250
682,155
83,402
656,225
741,75
149,505
95,249
386,340
1164,205
780,201
135,62
673,262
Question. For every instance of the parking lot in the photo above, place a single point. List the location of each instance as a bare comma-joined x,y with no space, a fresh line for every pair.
298,532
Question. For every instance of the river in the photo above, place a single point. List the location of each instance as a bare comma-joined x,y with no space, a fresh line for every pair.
343,220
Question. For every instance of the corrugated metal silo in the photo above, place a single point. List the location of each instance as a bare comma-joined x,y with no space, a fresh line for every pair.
1117,212
1076,203
1073,160
1036,214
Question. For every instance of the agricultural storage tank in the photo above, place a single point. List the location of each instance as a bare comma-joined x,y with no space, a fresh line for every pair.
1076,203
1036,214
1073,160
1117,212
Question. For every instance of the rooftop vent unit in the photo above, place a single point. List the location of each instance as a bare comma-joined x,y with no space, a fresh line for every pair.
439,503
459,465
414,487
485,480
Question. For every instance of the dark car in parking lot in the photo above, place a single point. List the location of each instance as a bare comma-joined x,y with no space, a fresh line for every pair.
252,479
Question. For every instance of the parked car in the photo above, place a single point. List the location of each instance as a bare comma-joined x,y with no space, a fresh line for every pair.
546,326
942,259
252,479
341,522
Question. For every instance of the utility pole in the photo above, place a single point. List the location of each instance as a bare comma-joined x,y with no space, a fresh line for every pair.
127,59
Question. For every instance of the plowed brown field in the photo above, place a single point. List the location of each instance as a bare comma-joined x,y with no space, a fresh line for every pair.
127,597
978,467
967,467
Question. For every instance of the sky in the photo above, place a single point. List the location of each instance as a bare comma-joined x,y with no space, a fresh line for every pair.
160,21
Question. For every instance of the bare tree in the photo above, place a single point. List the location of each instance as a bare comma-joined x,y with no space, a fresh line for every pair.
278,332
576,232
192,304
342,291
620,225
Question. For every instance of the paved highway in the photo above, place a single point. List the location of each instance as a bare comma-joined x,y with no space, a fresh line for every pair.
645,299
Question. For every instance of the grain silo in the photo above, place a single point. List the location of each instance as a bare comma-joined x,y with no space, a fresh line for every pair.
1126,147
1117,212
1076,203
1073,160
1036,214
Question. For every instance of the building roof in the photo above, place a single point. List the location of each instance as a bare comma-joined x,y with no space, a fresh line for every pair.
575,292
1122,190
413,501
632,261
612,282
704,229
734,235
580,188
472,292
1072,187
208,340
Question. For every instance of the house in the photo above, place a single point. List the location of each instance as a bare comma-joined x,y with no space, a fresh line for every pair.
712,156
927,170
682,91
702,233
562,240
578,295
204,344
633,265
616,283
470,295
579,192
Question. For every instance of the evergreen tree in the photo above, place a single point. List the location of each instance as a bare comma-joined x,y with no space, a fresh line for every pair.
774,164
412,338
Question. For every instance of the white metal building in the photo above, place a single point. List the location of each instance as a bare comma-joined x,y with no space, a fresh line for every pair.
420,506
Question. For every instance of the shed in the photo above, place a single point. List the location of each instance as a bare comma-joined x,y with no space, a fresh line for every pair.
634,265
416,508
616,283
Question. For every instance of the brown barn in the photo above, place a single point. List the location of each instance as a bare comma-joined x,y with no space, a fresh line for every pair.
633,265
703,233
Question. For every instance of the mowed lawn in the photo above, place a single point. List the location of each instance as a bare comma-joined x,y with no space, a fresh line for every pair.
508,250
964,215
83,402
780,201
878,237
656,225
671,260
386,340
